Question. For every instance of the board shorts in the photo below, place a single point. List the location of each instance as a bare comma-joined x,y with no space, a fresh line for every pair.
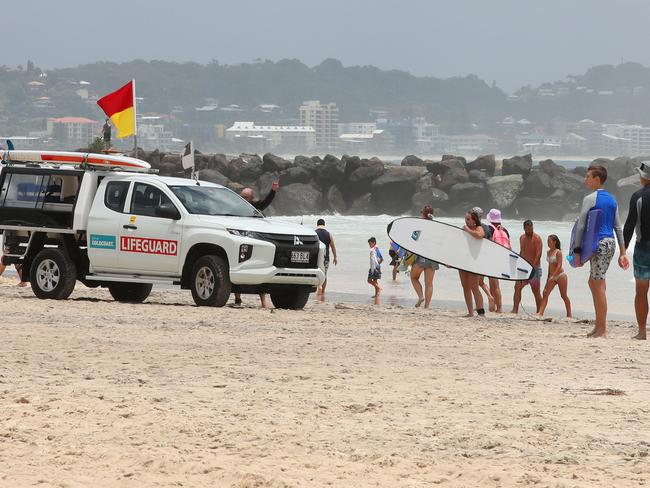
374,274
536,278
326,265
641,261
603,257
426,263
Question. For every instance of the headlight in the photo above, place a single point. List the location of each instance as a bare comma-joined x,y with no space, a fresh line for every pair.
244,233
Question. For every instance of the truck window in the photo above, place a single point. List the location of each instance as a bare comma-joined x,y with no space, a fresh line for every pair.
146,198
115,195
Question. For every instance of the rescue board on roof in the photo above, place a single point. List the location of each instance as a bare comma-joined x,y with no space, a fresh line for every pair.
110,161
456,248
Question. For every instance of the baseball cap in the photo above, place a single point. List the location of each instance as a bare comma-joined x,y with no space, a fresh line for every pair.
644,170
494,215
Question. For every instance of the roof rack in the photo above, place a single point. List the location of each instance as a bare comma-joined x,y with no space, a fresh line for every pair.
83,161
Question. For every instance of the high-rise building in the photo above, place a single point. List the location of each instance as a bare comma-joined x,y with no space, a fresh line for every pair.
324,118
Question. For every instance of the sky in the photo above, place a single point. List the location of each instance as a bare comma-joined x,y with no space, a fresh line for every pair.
512,42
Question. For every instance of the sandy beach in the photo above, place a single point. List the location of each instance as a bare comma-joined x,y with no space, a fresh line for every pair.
97,393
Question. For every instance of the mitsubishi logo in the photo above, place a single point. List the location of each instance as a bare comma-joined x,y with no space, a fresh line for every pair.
297,241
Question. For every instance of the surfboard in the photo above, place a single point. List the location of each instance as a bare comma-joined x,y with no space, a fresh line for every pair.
453,247
589,242
91,159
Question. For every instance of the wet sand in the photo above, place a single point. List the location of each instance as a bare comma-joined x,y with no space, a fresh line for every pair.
97,393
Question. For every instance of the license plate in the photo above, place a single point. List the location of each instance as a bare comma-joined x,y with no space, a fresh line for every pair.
299,256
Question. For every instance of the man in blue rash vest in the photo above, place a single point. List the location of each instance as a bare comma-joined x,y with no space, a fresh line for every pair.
600,199
638,220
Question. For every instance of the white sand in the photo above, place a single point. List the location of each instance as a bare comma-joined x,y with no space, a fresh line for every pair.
99,394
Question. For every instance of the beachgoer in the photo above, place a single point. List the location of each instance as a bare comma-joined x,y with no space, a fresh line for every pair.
374,270
326,238
500,235
638,220
470,281
600,199
487,231
556,275
426,266
530,248
396,255
106,133
248,195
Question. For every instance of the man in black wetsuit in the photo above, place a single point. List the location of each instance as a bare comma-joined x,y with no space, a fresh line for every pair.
248,195
326,238
638,219
106,133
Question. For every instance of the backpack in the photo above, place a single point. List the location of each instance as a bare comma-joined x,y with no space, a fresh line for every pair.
499,236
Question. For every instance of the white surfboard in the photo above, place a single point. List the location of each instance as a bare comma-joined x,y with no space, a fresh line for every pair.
63,157
453,247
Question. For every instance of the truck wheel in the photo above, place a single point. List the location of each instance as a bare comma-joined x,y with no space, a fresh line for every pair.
130,292
210,281
294,298
53,275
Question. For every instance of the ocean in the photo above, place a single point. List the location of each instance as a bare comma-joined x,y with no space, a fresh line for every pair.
347,280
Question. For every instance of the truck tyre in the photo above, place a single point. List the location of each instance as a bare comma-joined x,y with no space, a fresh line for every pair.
130,292
294,298
53,275
210,281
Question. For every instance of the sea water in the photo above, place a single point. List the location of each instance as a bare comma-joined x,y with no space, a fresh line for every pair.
347,280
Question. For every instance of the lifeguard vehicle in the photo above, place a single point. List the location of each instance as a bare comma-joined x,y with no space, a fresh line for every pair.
111,221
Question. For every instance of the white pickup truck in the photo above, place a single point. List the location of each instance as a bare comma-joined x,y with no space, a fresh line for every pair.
110,221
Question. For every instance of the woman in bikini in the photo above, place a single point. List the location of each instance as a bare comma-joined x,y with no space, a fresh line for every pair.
556,275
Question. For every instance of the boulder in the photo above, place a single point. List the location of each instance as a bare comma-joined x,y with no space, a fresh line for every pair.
478,176
412,160
448,157
441,167
580,171
272,163
265,182
434,197
485,163
624,189
330,171
294,174
537,185
172,159
551,168
392,191
308,164
213,176
218,162
154,158
367,171
503,190
362,206
297,199
425,183
572,184
452,177
245,169
468,192
350,163
335,200
517,165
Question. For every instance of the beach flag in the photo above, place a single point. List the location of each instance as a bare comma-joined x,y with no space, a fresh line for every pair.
119,106
187,159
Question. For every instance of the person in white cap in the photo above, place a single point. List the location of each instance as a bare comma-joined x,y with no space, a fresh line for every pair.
501,236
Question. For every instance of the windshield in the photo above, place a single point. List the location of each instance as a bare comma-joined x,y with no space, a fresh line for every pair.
210,200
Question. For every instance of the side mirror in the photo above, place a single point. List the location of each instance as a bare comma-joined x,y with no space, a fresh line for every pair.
167,212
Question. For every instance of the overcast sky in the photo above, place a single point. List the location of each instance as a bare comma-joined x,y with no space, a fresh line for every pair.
514,42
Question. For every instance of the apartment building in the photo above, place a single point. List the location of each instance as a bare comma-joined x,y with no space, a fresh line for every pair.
285,136
73,132
324,118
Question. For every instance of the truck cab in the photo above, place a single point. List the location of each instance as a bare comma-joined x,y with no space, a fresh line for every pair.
129,230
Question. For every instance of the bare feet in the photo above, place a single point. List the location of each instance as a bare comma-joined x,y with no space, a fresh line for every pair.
491,304
420,300
594,334
22,284
640,337
468,315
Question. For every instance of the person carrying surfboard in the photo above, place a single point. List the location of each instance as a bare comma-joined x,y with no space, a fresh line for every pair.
638,220
426,266
500,235
609,225
470,281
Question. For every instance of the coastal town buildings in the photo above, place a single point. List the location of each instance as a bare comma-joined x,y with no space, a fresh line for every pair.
273,136
73,131
324,119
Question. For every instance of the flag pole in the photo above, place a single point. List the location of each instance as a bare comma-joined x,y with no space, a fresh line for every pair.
135,121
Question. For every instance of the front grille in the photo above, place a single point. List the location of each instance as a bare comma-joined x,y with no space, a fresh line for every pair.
286,243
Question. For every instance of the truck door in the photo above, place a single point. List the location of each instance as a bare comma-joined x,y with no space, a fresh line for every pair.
151,233
103,223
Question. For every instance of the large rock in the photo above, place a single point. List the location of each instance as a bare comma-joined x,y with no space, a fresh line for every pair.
335,200
517,165
331,171
453,177
297,199
308,164
470,192
362,206
295,174
537,185
572,184
441,167
368,170
485,163
412,160
504,190
425,183
265,182
245,169
213,176
447,157
624,189
551,168
478,176
434,197
272,163
392,191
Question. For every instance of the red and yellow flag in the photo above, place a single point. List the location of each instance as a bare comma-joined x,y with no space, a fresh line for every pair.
119,106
